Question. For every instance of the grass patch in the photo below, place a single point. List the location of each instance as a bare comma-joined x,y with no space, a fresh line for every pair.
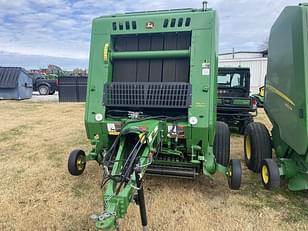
14,132
293,203
55,159
34,158
80,189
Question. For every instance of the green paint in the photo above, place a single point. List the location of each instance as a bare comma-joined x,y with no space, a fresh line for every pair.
245,102
196,141
285,94
150,54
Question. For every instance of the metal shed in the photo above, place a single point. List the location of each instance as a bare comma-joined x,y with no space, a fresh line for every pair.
15,83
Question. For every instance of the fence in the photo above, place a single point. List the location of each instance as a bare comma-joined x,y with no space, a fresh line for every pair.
72,89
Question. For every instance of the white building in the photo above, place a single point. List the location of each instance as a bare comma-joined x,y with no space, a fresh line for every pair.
256,61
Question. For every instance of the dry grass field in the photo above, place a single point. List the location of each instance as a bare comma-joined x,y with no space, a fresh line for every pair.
37,192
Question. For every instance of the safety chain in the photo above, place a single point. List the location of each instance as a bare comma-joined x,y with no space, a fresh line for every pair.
103,216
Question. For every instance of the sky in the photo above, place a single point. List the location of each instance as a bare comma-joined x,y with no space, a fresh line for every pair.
34,33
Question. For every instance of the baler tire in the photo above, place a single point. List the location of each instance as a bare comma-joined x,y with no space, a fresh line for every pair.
234,174
222,143
270,174
76,162
257,146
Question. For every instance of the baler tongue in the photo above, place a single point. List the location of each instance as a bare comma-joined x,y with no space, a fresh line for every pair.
128,157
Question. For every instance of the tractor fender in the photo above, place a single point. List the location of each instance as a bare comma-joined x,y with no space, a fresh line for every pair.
44,83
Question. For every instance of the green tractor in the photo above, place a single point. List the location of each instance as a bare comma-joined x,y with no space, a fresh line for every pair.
234,104
259,97
151,105
285,104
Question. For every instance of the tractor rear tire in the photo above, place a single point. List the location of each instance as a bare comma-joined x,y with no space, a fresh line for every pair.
270,174
222,143
257,146
76,162
234,174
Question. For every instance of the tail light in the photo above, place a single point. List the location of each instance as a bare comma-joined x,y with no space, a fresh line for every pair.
254,103
222,92
57,83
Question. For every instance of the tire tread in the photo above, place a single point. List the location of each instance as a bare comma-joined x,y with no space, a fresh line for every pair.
222,143
260,145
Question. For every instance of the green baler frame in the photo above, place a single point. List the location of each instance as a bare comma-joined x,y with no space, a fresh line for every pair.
203,99
198,123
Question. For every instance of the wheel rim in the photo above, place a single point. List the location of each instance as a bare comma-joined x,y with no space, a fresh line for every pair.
79,163
230,171
248,147
43,90
265,176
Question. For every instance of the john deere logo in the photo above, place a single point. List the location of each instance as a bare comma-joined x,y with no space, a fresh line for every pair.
149,25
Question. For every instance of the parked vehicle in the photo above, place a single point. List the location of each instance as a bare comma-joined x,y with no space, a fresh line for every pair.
44,86
234,105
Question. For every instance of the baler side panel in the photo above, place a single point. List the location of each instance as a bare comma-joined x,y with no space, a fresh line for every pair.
98,74
213,82
285,83
202,98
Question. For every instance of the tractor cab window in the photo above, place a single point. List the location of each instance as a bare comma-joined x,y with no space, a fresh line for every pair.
236,80
230,80
224,79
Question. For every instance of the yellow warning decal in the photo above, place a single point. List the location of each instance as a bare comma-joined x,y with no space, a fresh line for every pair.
106,47
142,138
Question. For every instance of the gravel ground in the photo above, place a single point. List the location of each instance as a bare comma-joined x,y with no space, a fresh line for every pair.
36,97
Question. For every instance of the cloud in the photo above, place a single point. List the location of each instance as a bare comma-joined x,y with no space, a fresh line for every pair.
61,28
40,61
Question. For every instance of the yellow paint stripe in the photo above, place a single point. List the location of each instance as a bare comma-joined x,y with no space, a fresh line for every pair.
114,133
280,94
261,90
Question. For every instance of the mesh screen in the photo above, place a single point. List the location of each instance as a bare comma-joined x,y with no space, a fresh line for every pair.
147,95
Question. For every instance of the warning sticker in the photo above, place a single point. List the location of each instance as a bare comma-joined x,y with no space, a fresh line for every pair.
111,127
114,128
205,69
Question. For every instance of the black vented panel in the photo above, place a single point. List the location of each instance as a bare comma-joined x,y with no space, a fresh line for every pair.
147,94
154,70
153,41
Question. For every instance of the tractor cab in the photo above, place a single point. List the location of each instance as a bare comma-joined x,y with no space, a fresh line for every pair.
233,82
234,105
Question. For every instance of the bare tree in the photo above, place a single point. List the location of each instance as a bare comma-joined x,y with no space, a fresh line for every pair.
264,45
